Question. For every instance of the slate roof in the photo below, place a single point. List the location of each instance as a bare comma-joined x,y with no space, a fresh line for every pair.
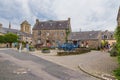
118,16
52,25
85,35
6,30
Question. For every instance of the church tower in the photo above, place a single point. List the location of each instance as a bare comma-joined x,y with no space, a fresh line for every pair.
25,27
118,17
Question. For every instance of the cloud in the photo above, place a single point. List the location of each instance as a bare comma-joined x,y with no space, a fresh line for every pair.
87,14
84,14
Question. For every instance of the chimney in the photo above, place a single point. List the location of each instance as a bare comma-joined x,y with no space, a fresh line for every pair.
69,23
9,25
69,19
37,21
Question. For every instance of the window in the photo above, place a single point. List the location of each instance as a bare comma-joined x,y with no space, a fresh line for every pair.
41,24
62,34
51,24
111,36
104,37
39,41
47,33
39,32
60,24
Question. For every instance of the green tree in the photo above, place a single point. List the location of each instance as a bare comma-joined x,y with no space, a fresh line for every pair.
117,37
2,39
11,38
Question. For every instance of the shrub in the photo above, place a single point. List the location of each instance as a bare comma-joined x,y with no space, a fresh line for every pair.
31,48
117,73
45,50
113,51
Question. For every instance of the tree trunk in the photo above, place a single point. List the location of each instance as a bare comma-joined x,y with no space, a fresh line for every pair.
10,45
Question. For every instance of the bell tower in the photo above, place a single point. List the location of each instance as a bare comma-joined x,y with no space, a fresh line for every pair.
118,17
25,27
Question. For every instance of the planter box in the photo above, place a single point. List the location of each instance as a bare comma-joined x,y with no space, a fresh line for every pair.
76,52
45,51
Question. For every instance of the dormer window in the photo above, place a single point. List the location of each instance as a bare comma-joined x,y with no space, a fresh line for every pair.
41,24
39,32
50,24
104,37
60,24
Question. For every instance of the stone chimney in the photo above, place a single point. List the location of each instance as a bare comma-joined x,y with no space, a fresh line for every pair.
69,19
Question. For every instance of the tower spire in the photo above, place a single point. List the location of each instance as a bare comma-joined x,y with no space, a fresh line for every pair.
9,25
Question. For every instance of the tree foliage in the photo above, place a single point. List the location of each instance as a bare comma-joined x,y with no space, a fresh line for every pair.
2,39
117,37
11,38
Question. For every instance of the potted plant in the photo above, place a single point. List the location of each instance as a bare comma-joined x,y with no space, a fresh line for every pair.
45,50
31,48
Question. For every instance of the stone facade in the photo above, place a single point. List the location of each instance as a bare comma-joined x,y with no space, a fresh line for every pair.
25,27
50,33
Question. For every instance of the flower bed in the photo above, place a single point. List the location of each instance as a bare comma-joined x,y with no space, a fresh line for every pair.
77,51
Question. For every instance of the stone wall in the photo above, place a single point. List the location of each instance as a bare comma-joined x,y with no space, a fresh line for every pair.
93,43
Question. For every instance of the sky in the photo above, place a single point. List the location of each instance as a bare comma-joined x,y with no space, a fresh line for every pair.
86,15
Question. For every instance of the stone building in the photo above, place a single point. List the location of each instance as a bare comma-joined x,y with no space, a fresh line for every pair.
25,32
25,27
90,38
118,17
50,33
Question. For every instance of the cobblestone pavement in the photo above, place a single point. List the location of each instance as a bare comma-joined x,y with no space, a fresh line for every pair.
95,62
38,67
